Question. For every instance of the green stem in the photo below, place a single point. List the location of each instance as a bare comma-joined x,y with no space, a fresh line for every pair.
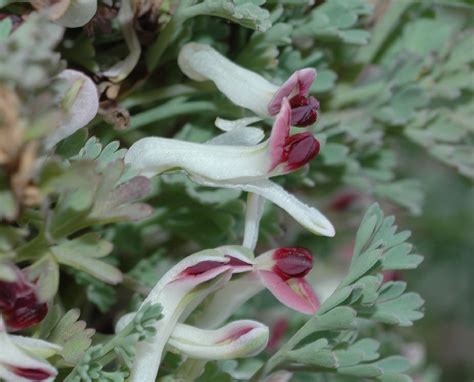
167,35
170,109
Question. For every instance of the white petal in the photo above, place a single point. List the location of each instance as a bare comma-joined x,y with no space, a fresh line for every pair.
228,125
239,136
307,216
11,356
122,69
225,302
243,87
253,214
79,13
175,292
238,339
153,155
36,346
82,110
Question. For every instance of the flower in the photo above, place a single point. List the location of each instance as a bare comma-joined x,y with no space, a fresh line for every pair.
80,106
245,88
240,166
19,303
238,339
18,361
186,285
282,271
179,291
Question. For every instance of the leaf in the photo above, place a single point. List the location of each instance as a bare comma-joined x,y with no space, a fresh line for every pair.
82,253
45,273
249,14
72,335
6,27
100,294
402,310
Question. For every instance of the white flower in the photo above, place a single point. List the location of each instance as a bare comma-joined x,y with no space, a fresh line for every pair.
21,358
240,166
238,339
248,89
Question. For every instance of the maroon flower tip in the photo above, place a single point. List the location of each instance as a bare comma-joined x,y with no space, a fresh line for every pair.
19,303
26,312
202,267
292,262
237,334
304,110
300,149
31,374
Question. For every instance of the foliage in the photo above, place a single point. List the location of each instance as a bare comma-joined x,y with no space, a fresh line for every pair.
395,127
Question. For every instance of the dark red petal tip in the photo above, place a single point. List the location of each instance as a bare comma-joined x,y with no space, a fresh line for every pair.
202,267
26,312
293,262
31,374
304,110
300,149
19,303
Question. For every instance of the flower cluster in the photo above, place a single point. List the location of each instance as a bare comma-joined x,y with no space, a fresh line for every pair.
226,276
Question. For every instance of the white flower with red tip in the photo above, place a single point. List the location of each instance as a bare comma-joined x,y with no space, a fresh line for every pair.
239,166
190,281
21,358
245,88
238,339
282,271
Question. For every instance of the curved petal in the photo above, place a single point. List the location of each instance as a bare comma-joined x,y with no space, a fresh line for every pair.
243,87
228,125
239,136
299,83
280,133
36,346
307,216
228,299
79,13
238,339
82,108
17,365
294,293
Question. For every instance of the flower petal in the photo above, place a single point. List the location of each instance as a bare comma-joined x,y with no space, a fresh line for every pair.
186,284
83,109
228,125
79,13
239,136
280,133
295,293
243,87
224,302
299,83
36,346
238,339
307,216
17,365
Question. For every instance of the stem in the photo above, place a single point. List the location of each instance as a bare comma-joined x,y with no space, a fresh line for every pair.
170,109
166,35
